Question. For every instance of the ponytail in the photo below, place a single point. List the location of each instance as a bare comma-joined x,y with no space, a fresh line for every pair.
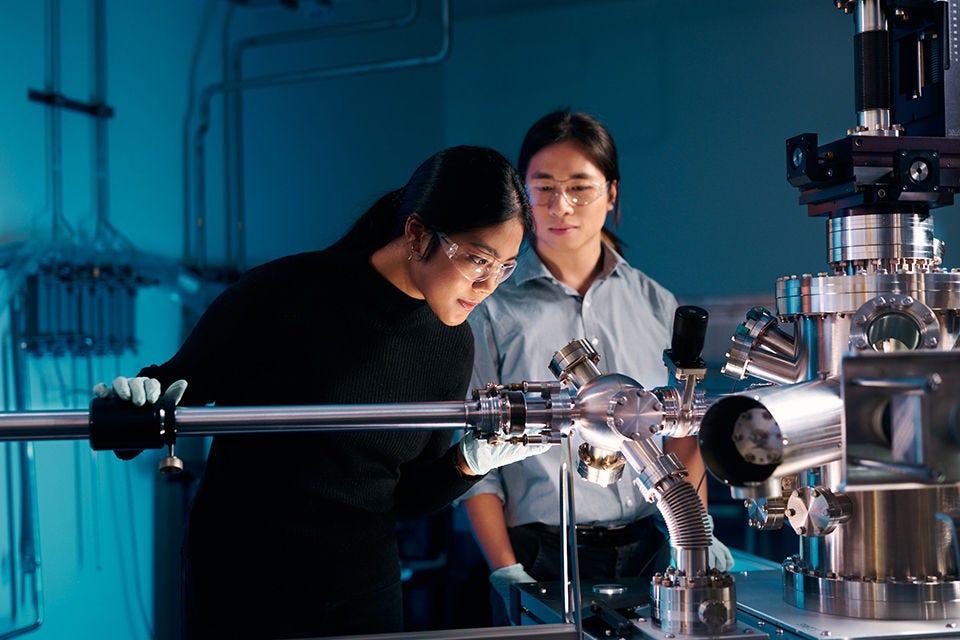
377,226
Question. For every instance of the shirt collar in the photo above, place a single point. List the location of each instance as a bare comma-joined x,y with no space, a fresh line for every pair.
530,267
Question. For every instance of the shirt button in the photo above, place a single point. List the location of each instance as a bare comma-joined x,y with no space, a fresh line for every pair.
594,341
586,303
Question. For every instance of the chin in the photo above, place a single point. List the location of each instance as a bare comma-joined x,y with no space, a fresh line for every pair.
453,319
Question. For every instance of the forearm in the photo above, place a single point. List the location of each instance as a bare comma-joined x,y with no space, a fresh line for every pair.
490,528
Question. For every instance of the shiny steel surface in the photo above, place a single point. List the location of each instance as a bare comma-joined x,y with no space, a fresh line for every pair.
912,599
938,289
817,511
45,425
614,408
763,350
210,421
807,416
599,466
894,323
901,412
575,363
760,596
873,237
693,605
894,533
680,416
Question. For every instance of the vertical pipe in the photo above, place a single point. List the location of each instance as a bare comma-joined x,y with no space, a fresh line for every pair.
5,369
570,570
98,97
873,74
197,145
235,129
29,533
54,120
230,156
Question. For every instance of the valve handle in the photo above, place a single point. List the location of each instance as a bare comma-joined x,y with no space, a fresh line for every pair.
689,333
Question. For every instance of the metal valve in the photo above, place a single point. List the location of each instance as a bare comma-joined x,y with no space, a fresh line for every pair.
170,465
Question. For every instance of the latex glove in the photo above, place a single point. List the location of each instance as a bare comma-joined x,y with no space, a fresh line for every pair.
720,557
502,578
140,390
482,457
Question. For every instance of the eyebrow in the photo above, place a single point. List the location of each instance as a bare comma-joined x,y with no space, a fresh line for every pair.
540,175
491,251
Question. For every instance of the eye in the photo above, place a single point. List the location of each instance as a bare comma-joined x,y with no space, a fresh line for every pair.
479,261
582,188
542,188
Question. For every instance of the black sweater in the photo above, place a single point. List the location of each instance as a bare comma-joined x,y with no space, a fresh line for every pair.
318,328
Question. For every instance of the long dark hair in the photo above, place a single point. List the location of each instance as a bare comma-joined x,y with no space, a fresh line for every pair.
592,137
457,189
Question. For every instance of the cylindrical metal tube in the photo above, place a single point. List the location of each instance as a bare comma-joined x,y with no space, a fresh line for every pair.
748,438
873,76
210,421
873,237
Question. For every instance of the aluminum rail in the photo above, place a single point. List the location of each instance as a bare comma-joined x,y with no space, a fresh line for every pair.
210,421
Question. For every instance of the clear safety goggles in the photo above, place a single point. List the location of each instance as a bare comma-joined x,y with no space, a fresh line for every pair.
475,265
577,191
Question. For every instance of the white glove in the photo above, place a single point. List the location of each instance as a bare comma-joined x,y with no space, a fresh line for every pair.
482,457
502,578
720,557
140,390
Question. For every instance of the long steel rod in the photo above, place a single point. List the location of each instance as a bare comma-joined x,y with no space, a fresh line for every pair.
210,421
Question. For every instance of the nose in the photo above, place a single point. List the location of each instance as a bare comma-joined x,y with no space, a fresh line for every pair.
487,286
559,206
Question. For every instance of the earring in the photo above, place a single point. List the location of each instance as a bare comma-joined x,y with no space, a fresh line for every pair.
410,257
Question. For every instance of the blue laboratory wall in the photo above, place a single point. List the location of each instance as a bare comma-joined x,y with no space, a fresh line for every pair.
699,95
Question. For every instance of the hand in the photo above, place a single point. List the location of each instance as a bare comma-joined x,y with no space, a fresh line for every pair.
720,557
140,390
502,578
482,457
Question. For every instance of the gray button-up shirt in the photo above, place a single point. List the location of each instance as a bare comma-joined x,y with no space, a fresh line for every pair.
628,319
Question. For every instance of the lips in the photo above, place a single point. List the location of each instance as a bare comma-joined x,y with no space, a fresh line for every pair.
467,304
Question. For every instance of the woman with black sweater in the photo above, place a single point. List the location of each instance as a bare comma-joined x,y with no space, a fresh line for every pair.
292,535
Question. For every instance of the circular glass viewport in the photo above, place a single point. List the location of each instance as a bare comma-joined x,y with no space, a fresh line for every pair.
894,331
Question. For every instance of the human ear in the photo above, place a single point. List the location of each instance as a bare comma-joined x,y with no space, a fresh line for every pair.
414,231
612,195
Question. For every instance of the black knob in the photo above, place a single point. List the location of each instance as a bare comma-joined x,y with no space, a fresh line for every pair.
689,332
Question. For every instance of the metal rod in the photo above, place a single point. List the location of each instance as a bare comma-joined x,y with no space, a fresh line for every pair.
568,535
210,421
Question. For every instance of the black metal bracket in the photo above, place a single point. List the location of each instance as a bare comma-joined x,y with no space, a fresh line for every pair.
63,102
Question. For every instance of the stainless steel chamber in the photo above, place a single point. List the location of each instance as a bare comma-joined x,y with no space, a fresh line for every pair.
850,435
